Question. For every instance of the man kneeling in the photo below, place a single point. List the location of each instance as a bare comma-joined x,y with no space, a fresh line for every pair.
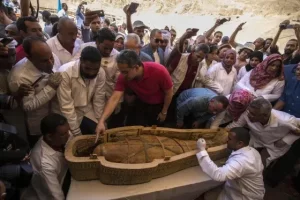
242,171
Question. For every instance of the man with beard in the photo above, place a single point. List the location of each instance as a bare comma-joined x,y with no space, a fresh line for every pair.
81,94
151,83
289,102
104,42
65,44
291,50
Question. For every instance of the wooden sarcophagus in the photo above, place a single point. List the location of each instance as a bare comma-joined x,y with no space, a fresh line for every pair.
137,154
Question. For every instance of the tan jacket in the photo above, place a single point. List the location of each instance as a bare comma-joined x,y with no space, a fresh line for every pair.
37,104
77,97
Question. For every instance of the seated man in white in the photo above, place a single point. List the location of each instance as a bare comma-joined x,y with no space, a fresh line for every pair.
82,92
242,172
48,161
271,130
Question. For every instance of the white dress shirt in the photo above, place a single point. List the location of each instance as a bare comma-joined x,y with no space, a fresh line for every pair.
241,73
63,55
49,170
272,91
77,97
38,103
156,57
62,13
279,127
109,64
218,74
242,173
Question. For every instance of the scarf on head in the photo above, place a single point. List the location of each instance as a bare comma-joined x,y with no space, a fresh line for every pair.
254,54
167,36
259,76
228,52
238,103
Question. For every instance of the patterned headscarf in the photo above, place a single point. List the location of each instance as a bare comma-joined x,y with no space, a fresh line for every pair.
228,52
238,102
260,77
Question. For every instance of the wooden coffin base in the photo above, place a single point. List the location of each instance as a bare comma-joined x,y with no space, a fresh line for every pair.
90,167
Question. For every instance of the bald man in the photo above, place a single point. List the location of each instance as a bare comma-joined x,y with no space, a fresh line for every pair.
36,72
65,44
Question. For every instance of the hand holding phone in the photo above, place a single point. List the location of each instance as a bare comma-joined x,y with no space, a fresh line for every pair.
132,7
5,41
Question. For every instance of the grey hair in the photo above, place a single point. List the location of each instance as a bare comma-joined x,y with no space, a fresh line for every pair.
129,57
133,36
261,104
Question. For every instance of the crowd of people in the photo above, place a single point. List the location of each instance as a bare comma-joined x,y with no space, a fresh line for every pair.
67,79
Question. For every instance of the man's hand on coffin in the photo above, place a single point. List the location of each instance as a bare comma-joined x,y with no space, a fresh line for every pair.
161,117
179,124
201,144
100,130
280,144
195,124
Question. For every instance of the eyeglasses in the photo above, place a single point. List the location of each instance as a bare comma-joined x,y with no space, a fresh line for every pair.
158,40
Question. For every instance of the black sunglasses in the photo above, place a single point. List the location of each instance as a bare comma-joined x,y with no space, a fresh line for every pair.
158,41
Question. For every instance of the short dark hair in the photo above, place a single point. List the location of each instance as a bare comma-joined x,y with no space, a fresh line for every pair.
212,48
53,19
21,22
54,29
46,14
129,57
241,134
3,8
10,10
218,32
63,5
294,40
106,21
202,47
269,39
154,31
50,123
115,28
28,41
222,99
91,54
105,34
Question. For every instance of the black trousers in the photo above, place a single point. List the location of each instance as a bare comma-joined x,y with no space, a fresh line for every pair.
88,126
274,174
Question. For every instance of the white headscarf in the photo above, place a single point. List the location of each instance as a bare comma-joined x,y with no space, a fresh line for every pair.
167,36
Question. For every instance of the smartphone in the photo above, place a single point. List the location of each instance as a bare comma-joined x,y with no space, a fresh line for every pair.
195,30
222,21
290,26
98,12
5,41
133,6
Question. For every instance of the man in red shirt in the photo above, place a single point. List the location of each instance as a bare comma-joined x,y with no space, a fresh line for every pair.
151,83
27,26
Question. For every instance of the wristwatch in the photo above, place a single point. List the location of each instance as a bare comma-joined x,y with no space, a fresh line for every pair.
164,113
